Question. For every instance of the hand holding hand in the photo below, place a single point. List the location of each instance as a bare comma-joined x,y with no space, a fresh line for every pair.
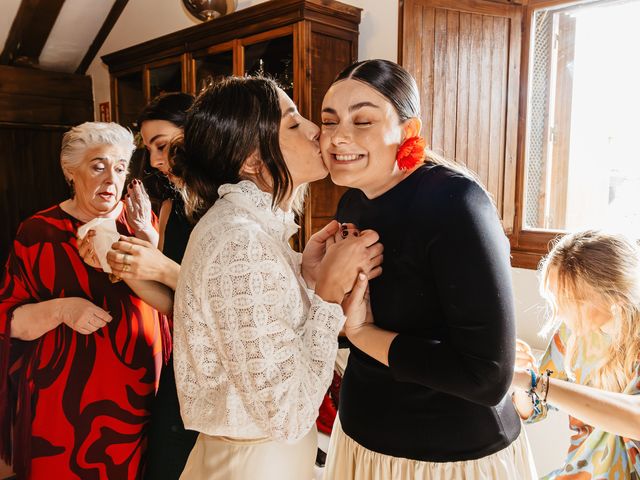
136,259
344,260
81,315
344,231
349,230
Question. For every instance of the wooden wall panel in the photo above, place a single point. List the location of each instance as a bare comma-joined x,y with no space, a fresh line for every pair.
465,58
30,176
37,97
36,108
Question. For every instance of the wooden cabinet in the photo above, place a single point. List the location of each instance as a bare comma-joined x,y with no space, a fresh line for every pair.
302,44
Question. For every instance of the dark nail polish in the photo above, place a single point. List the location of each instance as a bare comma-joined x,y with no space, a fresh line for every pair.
345,234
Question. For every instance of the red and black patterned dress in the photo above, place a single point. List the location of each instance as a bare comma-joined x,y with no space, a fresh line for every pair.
79,404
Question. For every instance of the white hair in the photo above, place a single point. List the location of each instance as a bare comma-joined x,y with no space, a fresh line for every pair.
90,134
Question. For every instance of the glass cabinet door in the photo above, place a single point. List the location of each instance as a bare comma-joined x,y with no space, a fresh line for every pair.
165,78
211,67
131,99
273,57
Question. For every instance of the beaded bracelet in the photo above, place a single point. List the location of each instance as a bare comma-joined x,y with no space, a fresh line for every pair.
547,374
533,391
533,394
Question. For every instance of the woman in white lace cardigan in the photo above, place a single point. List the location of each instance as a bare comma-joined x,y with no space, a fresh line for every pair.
256,323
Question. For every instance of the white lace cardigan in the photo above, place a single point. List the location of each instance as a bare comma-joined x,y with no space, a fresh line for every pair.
254,349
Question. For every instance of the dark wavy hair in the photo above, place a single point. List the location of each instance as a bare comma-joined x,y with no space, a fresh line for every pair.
228,122
171,107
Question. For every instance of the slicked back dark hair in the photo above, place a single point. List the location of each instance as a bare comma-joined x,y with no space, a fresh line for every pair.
391,81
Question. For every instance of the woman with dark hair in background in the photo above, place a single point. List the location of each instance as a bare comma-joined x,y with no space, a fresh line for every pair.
160,122
424,395
254,344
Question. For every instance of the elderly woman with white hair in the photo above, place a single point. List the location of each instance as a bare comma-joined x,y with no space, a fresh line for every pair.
79,352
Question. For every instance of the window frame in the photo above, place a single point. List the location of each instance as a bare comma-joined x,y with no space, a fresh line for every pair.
529,245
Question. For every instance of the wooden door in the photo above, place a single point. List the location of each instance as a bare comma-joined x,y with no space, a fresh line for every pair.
465,57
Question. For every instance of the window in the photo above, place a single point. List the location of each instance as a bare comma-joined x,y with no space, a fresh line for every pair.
546,120
583,122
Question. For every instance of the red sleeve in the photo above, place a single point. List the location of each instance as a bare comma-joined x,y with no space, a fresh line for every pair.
16,289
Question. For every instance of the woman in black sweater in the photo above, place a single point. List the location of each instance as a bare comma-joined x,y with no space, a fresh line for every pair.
424,395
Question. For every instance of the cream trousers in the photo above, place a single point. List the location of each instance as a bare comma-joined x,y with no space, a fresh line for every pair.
224,458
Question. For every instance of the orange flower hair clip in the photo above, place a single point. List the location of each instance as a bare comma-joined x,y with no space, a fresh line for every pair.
410,153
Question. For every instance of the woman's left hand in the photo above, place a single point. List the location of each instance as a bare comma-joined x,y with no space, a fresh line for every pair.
86,250
138,212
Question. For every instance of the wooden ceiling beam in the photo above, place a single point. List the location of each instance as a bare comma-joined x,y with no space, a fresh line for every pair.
104,31
30,30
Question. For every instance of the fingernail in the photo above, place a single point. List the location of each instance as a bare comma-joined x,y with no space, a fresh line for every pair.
362,277
355,234
345,234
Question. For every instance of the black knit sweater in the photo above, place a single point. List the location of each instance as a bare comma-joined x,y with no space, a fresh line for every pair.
446,289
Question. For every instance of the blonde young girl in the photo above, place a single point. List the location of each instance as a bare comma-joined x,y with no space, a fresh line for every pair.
592,282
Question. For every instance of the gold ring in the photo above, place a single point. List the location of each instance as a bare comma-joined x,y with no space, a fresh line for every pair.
125,267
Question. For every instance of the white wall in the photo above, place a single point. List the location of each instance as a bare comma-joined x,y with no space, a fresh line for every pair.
530,307
144,20
147,19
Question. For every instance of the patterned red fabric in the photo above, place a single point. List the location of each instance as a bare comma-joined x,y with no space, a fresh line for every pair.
79,404
329,406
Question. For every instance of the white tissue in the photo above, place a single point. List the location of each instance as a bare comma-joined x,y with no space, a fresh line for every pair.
106,235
